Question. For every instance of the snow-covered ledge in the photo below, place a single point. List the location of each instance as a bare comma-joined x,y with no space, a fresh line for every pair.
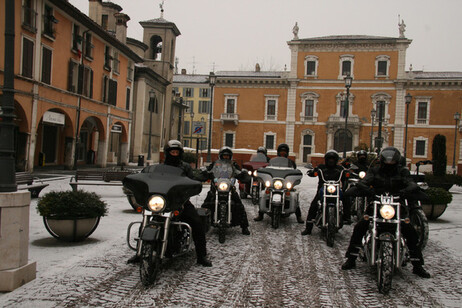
15,268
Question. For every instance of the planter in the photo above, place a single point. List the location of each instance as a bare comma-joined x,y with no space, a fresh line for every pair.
72,230
433,211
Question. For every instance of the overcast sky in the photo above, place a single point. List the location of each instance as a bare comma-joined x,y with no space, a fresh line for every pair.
236,34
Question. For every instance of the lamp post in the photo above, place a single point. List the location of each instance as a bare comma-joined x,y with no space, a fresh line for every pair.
348,80
408,99
191,114
379,135
212,81
373,114
152,98
457,118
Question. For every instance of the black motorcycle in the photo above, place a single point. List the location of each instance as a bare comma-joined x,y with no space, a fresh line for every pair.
383,245
161,191
359,203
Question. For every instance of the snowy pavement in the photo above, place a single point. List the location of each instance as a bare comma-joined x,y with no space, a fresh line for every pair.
270,268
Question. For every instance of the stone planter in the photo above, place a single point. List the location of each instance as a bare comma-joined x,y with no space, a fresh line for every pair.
433,211
72,230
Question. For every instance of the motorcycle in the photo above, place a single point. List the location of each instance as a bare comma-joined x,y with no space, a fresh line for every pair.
383,245
253,188
162,191
330,214
279,198
224,180
359,203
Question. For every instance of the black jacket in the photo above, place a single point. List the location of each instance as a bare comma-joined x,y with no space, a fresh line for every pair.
330,173
396,182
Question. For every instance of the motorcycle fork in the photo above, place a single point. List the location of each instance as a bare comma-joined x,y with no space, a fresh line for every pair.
398,237
144,222
372,261
215,214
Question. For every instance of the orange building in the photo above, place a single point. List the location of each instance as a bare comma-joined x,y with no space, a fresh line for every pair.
306,106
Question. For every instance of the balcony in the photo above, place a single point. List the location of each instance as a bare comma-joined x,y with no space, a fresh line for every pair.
234,117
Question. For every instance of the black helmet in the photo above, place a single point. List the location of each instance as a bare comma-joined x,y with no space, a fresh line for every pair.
173,145
283,147
262,150
331,155
362,156
225,150
390,156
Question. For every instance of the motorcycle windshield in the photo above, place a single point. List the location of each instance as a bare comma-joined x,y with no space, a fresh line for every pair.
164,180
280,167
259,157
223,170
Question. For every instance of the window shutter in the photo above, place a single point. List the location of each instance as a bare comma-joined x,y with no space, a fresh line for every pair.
112,96
80,79
91,83
69,76
46,65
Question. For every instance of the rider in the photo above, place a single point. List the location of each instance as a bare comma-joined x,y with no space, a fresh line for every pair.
239,216
331,171
361,162
283,151
264,152
389,177
173,151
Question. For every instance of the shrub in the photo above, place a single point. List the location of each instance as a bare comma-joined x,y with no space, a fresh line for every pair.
439,155
71,204
438,195
189,157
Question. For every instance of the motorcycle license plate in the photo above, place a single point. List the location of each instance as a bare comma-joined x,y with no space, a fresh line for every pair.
277,198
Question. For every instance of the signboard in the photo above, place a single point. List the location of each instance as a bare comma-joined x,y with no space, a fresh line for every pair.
198,128
53,118
116,128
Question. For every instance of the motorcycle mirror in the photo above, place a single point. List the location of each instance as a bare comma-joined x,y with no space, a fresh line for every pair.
309,166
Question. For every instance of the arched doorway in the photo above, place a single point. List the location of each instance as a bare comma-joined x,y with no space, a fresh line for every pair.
88,145
118,146
339,140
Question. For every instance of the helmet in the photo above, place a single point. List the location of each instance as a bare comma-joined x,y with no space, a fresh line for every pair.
283,147
262,150
173,145
390,156
331,155
362,156
225,150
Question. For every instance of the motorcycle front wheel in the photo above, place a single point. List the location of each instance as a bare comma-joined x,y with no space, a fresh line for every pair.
420,223
150,262
276,217
385,267
331,226
359,207
255,195
222,226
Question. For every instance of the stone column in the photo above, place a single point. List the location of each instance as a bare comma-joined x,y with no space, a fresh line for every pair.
15,269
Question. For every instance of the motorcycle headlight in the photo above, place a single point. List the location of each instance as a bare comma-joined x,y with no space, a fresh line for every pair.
331,189
362,174
387,211
267,183
289,185
249,172
156,204
278,184
223,186
255,173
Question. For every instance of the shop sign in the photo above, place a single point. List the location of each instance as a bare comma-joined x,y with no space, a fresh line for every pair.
53,118
116,128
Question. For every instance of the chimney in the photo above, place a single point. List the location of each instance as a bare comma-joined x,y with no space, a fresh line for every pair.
95,10
183,71
257,68
121,26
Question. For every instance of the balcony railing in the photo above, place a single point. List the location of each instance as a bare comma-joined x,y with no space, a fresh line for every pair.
229,117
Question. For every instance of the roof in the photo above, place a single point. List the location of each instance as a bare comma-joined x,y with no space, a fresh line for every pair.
161,21
265,74
350,39
184,78
435,75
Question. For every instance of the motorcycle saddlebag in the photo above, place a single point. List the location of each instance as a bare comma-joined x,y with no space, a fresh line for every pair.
204,214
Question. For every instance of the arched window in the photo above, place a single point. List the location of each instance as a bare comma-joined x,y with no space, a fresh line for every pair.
339,140
156,47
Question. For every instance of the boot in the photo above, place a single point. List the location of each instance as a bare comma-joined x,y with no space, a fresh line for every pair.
308,228
300,220
134,259
245,231
259,217
349,263
204,261
420,271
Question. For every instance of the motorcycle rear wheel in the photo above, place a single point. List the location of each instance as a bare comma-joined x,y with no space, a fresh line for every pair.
385,267
420,223
331,227
150,262
276,217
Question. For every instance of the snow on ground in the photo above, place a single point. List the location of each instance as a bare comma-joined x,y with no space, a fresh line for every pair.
269,268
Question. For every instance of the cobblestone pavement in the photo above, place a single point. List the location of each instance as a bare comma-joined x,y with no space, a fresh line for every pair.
270,268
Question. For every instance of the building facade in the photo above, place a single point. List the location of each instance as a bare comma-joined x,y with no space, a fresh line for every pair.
307,107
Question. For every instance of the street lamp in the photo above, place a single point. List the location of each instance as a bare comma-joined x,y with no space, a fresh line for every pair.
380,116
457,118
348,80
212,82
373,114
408,99
191,115
152,99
